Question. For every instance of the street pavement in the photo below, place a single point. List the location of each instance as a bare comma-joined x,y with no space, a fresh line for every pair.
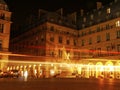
58,84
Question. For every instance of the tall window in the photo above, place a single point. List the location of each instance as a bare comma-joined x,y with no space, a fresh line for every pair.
118,34
1,28
0,44
107,26
90,40
98,29
118,47
42,38
52,28
2,16
60,53
60,39
52,39
98,39
83,42
68,42
107,36
75,42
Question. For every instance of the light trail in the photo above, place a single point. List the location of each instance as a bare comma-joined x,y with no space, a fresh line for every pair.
54,63
31,62
69,49
11,54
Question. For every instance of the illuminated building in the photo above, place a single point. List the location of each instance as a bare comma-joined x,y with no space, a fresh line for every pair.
99,31
92,40
50,36
5,23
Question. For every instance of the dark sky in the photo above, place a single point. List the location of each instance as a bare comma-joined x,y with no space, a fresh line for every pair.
22,8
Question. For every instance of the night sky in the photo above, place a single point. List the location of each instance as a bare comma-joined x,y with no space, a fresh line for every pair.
23,8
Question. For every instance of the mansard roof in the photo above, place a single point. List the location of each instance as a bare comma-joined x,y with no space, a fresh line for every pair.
100,15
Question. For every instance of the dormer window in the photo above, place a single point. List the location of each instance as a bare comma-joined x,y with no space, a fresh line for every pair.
91,17
108,10
90,23
99,13
117,23
117,14
83,25
84,19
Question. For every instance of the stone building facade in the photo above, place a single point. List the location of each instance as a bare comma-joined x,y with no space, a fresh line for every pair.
5,23
90,39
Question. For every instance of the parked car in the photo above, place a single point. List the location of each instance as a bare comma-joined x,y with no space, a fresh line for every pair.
1,73
14,73
5,74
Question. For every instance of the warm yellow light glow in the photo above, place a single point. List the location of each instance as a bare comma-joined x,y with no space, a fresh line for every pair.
25,66
8,69
34,65
51,64
30,66
17,67
102,68
52,72
35,71
111,68
25,74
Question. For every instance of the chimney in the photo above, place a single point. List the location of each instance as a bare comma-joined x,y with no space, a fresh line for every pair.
72,16
60,11
99,5
41,12
81,12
